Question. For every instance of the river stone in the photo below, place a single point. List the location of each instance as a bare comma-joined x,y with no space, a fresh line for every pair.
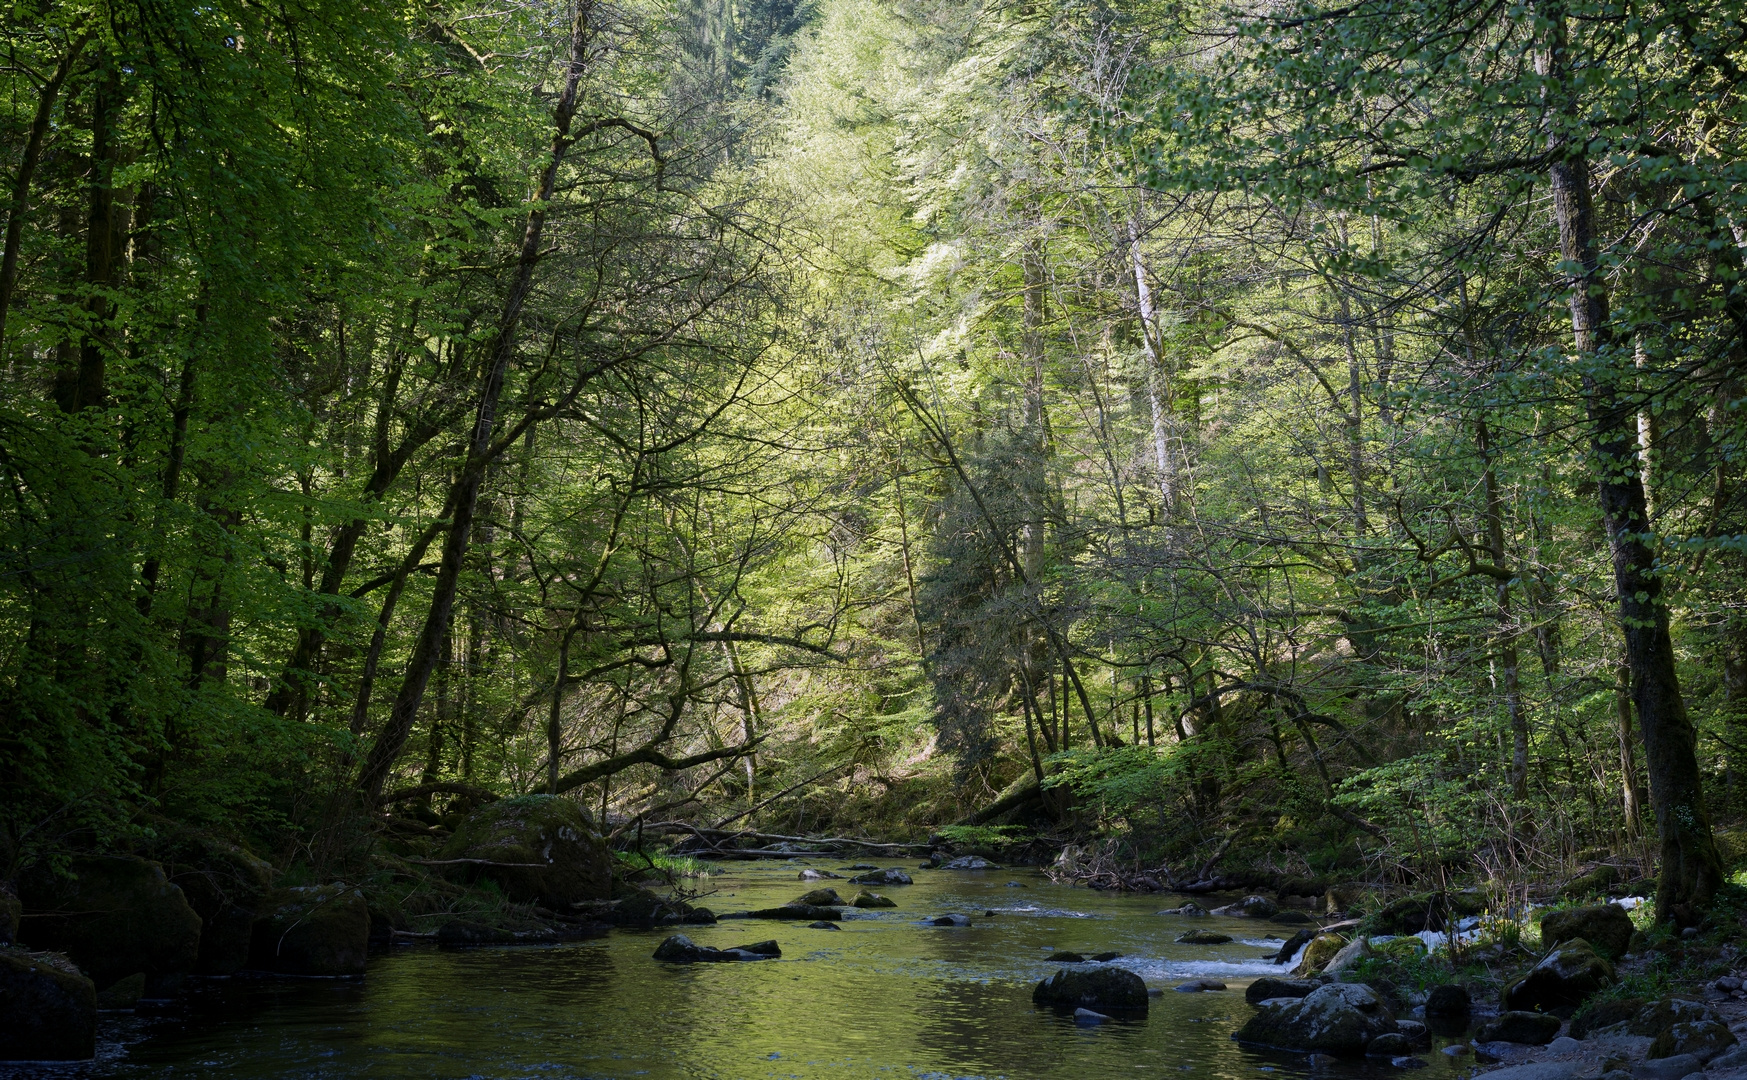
1658,1016
1064,958
1703,1039
787,911
1191,909
1199,986
1339,1019
225,884
1268,987
1292,918
865,899
1408,1062
1416,1033
1606,927
818,898
1389,1044
124,995
1320,951
1101,988
1567,975
970,862
314,930
1537,1070
1250,907
48,1012
113,916
680,949
952,920
1516,1026
1351,953
636,906
1668,1068
1203,937
823,926
1087,1016
819,875
892,876
1293,944
538,848
1448,1000
1105,957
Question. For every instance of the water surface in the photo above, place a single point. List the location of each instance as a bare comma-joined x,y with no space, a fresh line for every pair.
884,997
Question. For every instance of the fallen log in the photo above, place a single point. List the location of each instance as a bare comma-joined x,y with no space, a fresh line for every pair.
1030,792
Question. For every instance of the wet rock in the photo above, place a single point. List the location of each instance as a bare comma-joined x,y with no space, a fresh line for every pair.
1293,944
1408,1062
1416,1033
1340,1019
1600,1015
1351,953
1016,885
680,949
1516,1026
787,911
892,876
1087,1016
1191,909
865,899
951,920
859,866
1684,1027
123,996
321,930
970,862
1292,918
640,907
1457,1050
1536,1070
1100,988
1389,1044
1269,987
48,1011
113,916
819,875
1106,957
819,898
538,848
1064,958
1668,1068
226,885
1250,907
1199,986
1567,975
1606,927
1203,937
1320,951
1730,1060
1448,1000
823,926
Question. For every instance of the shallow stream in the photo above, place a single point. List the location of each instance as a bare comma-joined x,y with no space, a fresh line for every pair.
884,997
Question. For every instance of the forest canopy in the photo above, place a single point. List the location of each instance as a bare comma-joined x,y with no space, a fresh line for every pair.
1296,436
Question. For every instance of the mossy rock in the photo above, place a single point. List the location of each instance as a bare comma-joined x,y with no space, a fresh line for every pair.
1098,988
47,1013
1401,948
1322,949
1597,1015
1203,937
1593,883
640,907
321,930
113,915
225,884
1606,927
865,899
826,897
1562,981
537,848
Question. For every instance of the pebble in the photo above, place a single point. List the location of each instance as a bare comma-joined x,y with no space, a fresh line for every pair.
1564,1044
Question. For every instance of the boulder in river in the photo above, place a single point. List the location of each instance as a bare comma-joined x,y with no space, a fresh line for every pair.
1200,986
538,848
1567,975
225,884
637,906
1268,987
1250,907
1516,1026
1606,927
865,899
788,911
1320,951
113,916
1105,957
1088,1017
680,949
1351,953
317,930
1340,1019
1599,1016
1100,988
1293,944
1064,958
48,1011
1203,937
822,925
1190,909
819,875
951,920
892,876
1447,1000
970,862
819,898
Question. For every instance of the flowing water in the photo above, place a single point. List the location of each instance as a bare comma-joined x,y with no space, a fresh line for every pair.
884,997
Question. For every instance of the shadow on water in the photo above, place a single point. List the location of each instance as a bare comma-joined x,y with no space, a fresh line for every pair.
885,997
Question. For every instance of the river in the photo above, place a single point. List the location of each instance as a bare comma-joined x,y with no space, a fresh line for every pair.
884,997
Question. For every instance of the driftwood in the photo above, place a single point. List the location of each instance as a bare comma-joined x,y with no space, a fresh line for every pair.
1031,792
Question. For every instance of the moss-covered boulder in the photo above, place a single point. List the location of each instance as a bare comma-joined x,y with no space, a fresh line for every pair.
1319,952
865,899
1529,1028
538,848
113,916
10,910
1682,1026
1606,927
48,1011
1568,975
318,930
1599,1016
224,883
1269,988
1101,988
635,906
1203,937
1340,1019
826,897
1250,907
